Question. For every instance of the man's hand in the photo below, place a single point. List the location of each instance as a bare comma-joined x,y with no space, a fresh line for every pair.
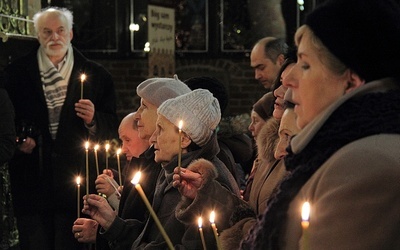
85,109
98,208
27,146
85,230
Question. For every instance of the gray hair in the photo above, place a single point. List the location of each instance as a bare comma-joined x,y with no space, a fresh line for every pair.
67,14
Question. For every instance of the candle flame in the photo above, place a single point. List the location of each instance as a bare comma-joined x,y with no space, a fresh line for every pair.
200,222
212,217
180,125
96,147
86,145
118,151
107,147
136,178
83,77
305,211
78,180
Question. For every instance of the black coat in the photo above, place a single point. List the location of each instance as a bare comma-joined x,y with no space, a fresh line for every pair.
45,179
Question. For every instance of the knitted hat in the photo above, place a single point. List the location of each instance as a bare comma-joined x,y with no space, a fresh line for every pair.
158,90
264,107
199,112
363,34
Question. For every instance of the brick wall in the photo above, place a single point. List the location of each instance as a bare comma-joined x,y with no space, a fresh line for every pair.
236,74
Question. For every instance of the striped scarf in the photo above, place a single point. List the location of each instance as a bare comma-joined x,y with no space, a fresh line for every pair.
55,85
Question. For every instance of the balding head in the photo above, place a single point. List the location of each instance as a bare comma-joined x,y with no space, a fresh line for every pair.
132,144
266,58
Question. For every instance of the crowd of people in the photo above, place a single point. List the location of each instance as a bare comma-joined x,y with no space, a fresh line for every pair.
325,133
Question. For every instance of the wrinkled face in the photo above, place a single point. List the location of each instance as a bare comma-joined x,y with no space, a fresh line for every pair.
132,144
265,71
146,117
256,124
314,86
279,94
287,129
54,35
166,140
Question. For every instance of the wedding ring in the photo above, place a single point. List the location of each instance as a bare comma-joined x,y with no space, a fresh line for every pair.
79,235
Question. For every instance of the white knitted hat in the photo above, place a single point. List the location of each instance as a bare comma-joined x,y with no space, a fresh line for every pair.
199,111
157,90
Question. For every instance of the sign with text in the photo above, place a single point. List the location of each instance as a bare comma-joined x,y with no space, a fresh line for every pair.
161,37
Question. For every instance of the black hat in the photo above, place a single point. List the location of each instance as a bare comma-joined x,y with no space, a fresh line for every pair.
363,34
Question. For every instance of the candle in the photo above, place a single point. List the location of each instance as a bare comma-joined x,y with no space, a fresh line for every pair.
97,160
112,184
78,183
305,222
87,167
214,228
107,148
180,146
135,182
203,242
83,78
119,167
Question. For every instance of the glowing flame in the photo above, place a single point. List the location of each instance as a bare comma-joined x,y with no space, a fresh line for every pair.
212,217
136,178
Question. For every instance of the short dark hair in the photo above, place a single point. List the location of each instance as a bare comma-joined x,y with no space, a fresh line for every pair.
274,48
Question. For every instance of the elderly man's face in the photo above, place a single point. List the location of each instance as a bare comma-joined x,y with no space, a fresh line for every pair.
54,34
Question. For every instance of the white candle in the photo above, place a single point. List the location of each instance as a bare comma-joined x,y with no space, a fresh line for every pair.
96,158
180,146
83,78
214,228
203,242
135,182
119,167
305,222
87,167
78,199
107,148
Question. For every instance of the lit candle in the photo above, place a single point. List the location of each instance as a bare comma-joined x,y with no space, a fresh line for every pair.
87,167
214,228
135,182
107,148
305,222
119,167
83,78
180,146
78,183
97,160
203,242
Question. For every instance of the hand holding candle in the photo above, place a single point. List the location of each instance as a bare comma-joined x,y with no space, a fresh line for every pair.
135,182
83,78
203,242
214,228
78,191
119,167
87,167
180,146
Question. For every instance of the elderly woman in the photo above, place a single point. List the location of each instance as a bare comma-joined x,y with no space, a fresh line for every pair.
200,114
345,160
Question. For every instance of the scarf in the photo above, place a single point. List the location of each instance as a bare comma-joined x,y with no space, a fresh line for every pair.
55,85
359,117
